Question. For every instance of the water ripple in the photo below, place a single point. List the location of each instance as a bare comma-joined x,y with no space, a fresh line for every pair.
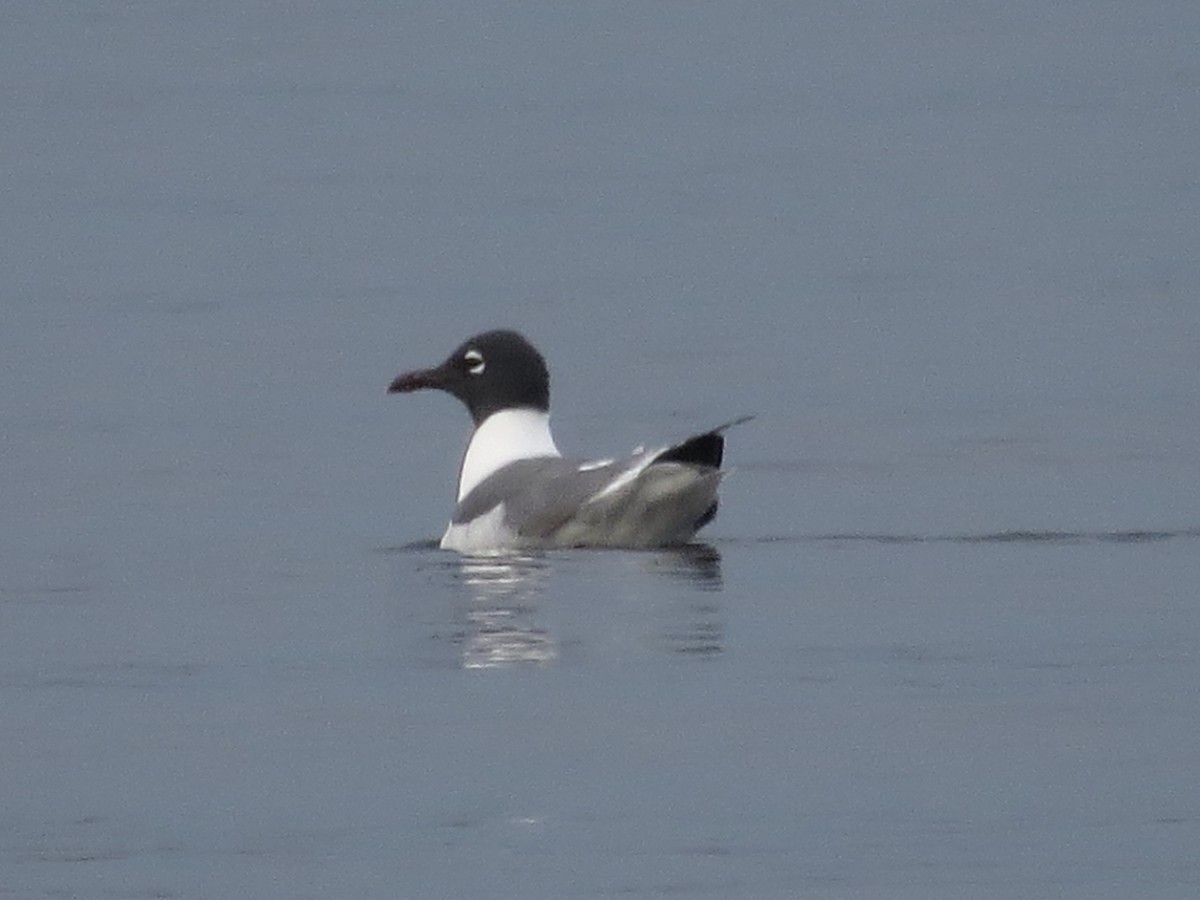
1017,536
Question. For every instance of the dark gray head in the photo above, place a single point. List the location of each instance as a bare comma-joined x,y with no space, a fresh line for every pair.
492,371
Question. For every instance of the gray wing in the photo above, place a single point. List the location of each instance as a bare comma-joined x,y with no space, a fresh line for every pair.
539,495
542,496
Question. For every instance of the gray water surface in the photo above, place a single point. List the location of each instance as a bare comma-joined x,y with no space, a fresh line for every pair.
940,642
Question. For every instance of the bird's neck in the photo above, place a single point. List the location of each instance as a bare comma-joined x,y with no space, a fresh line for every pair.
502,438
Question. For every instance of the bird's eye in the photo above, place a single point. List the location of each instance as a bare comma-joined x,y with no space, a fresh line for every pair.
474,361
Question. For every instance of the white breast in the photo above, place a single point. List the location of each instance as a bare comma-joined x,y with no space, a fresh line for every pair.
504,437
481,535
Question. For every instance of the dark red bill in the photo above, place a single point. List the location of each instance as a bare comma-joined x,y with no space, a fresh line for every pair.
420,380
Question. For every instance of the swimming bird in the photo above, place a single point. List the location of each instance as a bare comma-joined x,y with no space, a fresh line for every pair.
516,490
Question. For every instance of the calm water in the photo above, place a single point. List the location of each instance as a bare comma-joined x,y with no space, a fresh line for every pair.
942,640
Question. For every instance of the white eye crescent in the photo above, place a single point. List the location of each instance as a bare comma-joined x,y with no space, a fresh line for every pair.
474,361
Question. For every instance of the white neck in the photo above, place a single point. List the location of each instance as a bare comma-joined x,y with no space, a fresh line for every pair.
502,438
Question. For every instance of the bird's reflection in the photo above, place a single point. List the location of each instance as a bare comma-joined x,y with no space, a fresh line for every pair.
698,564
504,593
693,623
502,619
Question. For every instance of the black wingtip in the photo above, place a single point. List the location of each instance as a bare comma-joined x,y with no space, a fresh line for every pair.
702,450
705,449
